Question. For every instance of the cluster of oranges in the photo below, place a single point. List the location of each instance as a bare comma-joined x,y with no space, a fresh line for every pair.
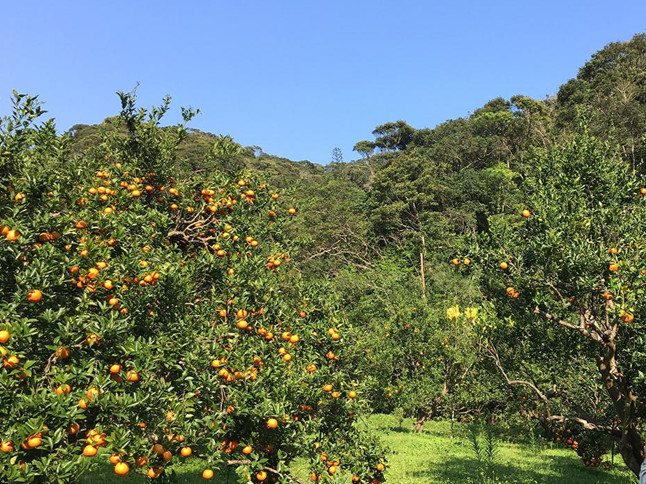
96,274
591,453
11,235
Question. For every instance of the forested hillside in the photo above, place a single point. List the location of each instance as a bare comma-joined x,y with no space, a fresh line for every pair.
492,267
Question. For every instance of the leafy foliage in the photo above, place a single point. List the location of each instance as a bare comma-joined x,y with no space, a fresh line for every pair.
159,317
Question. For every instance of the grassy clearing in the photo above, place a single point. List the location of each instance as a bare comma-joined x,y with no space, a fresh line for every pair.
435,457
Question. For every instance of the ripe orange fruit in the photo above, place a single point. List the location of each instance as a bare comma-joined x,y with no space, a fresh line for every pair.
613,250
352,394
380,467
62,353
89,451
115,459
116,368
327,387
121,469
154,472
64,389
526,213
332,470
6,446
186,451
82,403
132,376
92,339
627,317
643,191
504,266
4,336
247,449
261,475
168,455
455,262
11,362
34,441
141,461
613,267
466,261
207,474
35,295
272,423
92,393
12,235
158,449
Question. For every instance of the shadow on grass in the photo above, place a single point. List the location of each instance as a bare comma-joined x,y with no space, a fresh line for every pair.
554,470
187,472
400,430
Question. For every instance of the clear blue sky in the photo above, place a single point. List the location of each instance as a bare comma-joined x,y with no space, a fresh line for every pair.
300,77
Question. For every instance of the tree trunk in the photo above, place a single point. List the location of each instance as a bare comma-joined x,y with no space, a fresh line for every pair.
630,448
625,402
422,269
426,414
422,417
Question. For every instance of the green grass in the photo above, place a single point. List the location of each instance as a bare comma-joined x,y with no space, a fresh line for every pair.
435,457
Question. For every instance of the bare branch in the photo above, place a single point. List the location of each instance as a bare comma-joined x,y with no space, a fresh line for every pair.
587,425
588,334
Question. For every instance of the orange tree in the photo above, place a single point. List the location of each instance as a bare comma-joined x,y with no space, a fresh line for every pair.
159,318
423,356
566,275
